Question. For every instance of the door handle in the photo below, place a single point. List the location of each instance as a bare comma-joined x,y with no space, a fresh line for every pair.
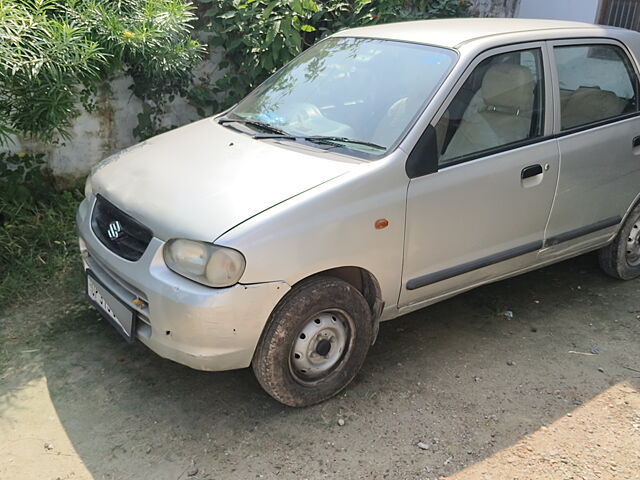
531,171
636,142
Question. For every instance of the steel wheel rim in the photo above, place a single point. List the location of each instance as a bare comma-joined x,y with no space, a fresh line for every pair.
632,248
321,346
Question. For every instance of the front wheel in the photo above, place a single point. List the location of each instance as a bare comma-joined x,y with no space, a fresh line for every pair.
315,343
621,258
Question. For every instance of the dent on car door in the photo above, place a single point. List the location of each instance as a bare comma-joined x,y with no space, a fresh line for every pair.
483,211
599,142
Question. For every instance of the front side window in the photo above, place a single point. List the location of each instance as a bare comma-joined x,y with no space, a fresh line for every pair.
597,83
367,90
501,103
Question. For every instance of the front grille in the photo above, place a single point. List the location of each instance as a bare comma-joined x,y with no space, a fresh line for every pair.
119,232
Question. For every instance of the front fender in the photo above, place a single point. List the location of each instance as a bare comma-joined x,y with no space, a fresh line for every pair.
328,227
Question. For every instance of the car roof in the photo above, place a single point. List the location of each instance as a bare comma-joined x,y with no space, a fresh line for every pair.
452,33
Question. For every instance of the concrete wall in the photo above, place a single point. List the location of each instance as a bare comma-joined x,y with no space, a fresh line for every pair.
106,130
494,8
109,128
98,134
94,135
578,10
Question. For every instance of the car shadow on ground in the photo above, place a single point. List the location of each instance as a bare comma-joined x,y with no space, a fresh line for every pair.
469,377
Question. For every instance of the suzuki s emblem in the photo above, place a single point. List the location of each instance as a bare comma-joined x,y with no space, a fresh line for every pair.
114,230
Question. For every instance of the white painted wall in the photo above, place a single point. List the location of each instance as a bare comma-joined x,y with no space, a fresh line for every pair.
94,135
494,8
109,128
577,10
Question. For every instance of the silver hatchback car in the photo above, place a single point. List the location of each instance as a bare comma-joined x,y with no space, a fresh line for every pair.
384,169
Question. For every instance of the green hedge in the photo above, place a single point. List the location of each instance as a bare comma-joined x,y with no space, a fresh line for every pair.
56,52
38,243
259,36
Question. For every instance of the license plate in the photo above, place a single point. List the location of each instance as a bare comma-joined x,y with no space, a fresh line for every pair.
116,312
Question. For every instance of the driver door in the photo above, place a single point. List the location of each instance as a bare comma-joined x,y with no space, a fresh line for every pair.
482,214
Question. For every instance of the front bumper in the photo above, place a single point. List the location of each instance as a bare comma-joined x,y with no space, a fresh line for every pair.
201,327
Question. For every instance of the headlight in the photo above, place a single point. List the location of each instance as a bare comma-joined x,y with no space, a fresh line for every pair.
204,263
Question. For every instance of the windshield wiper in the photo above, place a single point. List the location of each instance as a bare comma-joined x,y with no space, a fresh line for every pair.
322,139
255,123
339,140
276,133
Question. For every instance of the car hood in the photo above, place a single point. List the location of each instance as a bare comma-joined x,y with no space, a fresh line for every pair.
203,179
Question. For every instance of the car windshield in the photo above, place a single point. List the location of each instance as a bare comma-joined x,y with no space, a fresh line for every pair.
360,93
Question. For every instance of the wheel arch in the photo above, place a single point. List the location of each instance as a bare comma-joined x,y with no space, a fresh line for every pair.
634,204
361,279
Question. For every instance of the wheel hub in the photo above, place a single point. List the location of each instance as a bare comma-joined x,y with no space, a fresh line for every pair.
323,348
319,346
633,245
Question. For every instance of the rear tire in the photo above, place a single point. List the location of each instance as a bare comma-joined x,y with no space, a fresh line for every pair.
621,258
315,342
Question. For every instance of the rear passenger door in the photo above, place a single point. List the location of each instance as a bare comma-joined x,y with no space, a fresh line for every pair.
598,129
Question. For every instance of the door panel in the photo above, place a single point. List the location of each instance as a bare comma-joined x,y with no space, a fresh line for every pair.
597,88
473,214
599,179
483,213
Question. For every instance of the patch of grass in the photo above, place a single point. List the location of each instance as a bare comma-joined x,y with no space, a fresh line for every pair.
38,246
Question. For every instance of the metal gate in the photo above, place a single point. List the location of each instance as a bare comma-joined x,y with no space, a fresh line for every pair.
620,13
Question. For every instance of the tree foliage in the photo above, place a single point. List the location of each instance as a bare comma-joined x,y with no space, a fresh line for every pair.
55,53
259,36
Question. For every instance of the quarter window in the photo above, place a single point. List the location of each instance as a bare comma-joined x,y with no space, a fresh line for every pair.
500,104
597,83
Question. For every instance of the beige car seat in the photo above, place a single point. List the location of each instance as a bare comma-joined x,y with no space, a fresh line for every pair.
397,117
587,105
507,93
394,120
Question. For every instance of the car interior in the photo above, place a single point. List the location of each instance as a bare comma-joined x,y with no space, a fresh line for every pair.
380,93
589,104
595,84
499,104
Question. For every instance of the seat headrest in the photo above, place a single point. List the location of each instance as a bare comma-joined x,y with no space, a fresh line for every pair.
588,105
508,87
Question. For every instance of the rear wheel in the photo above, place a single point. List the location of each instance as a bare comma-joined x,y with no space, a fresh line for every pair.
315,343
621,259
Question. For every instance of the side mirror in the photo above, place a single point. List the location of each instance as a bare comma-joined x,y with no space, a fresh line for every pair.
423,159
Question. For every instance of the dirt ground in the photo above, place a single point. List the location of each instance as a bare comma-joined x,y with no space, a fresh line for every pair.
551,392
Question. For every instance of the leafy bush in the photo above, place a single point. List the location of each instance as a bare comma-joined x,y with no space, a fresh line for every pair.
37,229
56,52
259,36
22,177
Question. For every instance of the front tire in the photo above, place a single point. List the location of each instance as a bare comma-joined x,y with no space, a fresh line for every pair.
315,343
621,258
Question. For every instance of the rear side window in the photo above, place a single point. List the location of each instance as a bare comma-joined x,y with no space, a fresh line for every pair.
597,83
